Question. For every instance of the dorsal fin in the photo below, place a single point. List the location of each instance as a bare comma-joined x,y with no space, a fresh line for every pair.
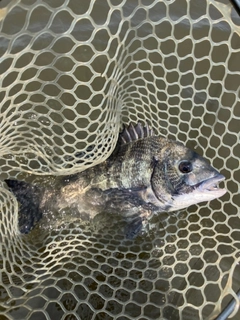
133,133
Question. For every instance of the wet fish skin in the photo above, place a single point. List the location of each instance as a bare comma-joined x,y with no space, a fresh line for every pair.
146,174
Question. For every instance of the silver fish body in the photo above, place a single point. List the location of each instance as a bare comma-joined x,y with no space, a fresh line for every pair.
146,174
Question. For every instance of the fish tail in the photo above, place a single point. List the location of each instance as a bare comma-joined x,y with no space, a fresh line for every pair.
29,199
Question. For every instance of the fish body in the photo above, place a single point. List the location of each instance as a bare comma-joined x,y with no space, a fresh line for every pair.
146,174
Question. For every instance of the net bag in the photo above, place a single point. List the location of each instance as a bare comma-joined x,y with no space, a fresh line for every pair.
72,73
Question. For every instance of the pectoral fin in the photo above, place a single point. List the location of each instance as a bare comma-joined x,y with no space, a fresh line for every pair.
128,204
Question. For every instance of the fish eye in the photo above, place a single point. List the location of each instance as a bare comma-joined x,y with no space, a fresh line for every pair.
185,166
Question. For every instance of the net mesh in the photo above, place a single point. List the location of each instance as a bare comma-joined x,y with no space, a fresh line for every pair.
71,74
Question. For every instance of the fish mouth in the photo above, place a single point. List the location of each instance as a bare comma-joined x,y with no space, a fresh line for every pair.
211,186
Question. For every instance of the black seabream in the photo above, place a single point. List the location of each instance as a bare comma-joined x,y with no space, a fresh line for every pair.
146,174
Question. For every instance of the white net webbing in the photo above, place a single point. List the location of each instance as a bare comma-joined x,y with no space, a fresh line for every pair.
71,73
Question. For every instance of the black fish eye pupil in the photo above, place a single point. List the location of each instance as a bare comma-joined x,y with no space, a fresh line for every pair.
185,167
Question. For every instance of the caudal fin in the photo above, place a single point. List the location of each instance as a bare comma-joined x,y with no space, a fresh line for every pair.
29,197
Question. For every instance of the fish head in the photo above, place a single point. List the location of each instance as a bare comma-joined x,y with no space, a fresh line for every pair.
182,178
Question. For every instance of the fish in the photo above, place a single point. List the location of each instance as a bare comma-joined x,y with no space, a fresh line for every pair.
146,174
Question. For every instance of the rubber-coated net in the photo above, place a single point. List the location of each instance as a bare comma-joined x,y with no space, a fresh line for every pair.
72,73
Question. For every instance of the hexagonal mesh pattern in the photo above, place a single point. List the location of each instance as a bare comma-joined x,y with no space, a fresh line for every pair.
71,74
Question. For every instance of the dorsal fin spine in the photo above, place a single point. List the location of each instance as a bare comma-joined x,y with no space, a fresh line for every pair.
133,133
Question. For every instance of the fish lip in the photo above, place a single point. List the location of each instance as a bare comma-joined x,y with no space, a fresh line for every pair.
211,185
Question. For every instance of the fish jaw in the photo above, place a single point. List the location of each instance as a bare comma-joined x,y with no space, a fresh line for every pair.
210,186
206,190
